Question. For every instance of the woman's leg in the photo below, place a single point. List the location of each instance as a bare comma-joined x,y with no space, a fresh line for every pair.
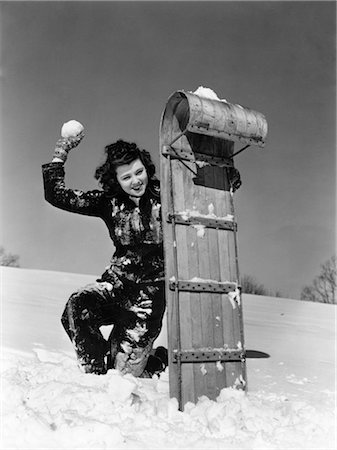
132,344
86,310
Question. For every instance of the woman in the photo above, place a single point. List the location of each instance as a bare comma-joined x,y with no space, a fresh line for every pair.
130,294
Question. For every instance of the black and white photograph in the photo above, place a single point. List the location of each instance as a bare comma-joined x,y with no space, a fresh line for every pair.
168,225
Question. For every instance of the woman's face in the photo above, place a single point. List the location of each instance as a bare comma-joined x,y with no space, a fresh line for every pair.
132,178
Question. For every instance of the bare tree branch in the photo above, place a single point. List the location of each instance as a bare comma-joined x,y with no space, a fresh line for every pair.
323,288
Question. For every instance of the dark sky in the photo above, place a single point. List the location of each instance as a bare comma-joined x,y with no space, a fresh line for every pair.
112,66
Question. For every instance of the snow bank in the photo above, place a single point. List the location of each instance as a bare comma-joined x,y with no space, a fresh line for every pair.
48,403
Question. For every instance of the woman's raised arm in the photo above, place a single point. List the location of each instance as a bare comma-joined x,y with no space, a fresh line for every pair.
90,203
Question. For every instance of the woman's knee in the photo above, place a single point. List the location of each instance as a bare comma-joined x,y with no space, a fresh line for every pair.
87,304
72,308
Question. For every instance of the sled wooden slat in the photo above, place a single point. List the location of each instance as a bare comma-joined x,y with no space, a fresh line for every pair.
185,265
214,262
203,330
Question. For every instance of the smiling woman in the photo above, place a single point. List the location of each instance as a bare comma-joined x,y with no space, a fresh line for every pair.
133,179
130,293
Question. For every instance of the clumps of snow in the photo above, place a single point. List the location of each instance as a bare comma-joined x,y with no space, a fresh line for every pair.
122,389
187,214
206,92
201,280
225,348
126,261
105,285
126,347
239,382
49,403
203,369
211,209
136,333
142,312
200,230
201,164
219,366
234,298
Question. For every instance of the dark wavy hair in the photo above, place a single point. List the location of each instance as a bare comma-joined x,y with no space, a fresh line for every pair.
117,154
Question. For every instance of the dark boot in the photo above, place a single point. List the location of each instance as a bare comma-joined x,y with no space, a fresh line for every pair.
162,354
157,362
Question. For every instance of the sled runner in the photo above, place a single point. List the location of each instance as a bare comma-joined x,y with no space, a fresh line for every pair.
205,327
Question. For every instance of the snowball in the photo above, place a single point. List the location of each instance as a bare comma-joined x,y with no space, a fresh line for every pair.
71,129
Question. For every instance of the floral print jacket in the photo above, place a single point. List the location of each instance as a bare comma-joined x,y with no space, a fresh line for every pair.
135,231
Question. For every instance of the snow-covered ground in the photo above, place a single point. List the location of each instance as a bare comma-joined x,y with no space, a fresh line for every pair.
48,403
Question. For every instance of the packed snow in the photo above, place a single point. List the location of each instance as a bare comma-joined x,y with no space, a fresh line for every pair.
234,298
200,228
72,128
206,92
185,215
47,402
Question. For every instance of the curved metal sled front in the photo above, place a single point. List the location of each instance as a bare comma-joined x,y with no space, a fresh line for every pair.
217,118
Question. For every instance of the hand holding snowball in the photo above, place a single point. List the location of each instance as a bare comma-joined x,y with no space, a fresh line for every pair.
72,134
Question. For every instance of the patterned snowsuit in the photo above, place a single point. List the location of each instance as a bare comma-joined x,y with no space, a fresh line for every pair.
130,294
